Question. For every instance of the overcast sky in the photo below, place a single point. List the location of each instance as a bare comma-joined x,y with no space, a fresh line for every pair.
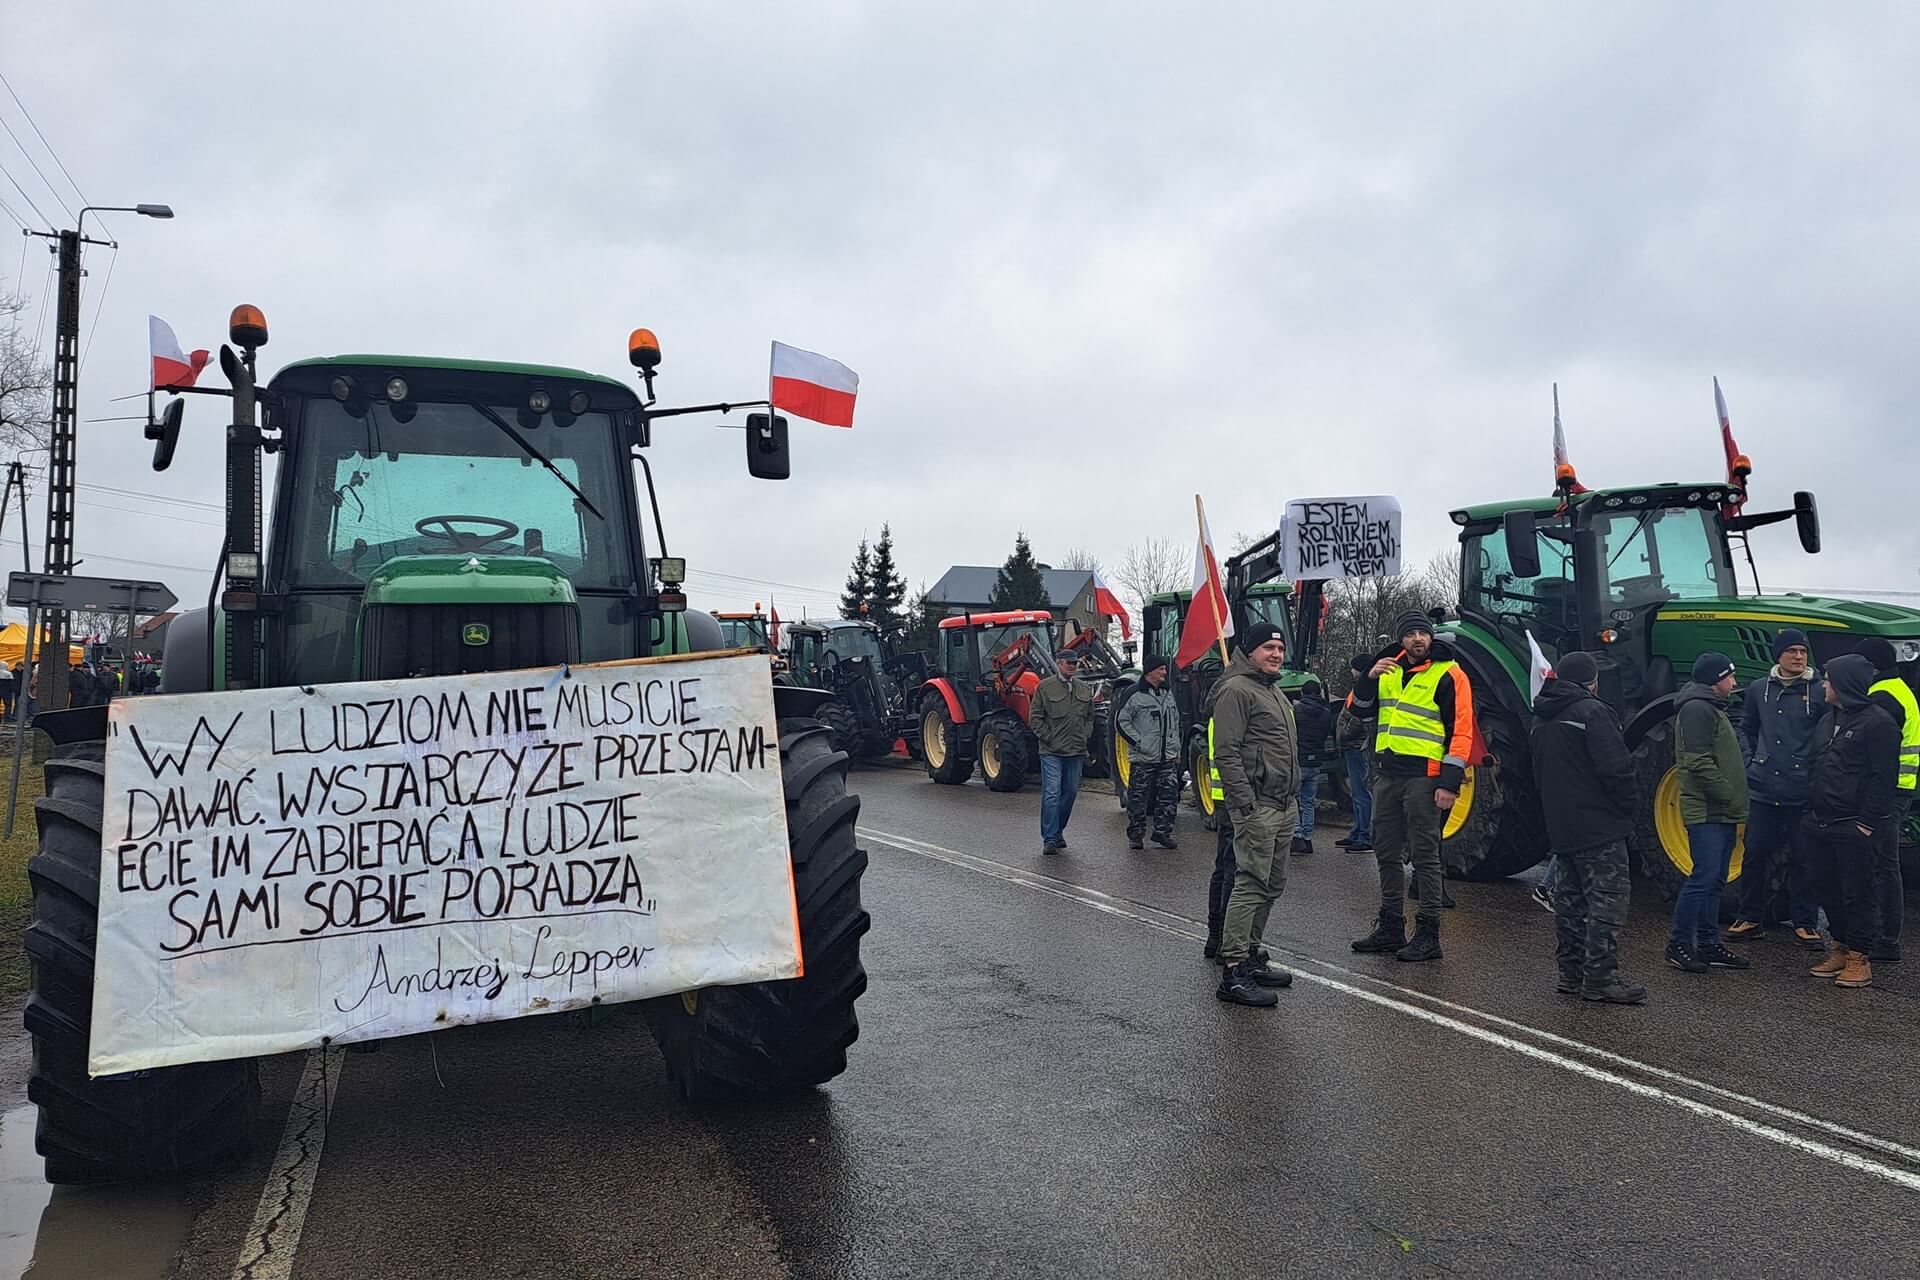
1088,260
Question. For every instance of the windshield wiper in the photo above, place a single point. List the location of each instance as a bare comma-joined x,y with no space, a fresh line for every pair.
1645,518
537,456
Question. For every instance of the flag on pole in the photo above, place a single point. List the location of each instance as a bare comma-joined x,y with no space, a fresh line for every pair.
1107,604
1738,468
773,626
1538,667
172,367
1208,621
812,386
1560,446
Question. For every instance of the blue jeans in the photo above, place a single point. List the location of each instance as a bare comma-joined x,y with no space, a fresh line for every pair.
1773,837
1310,775
1357,783
1059,784
1696,912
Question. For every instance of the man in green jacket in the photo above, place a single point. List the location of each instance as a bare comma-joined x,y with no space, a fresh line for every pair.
1254,750
1713,804
1061,718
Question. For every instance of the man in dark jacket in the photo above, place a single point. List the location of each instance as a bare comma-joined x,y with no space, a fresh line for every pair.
1776,735
1422,705
1353,735
1254,749
1851,785
1061,718
1586,780
1892,692
1150,723
1713,804
1313,719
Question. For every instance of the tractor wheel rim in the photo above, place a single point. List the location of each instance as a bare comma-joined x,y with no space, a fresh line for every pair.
1671,828
990,754
1203,781
1122,760
933,739
1462,807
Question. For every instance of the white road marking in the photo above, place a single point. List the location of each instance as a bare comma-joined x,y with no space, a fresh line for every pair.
1180,926
275,1236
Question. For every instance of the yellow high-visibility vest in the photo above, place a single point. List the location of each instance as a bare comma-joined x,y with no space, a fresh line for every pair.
1909,728
1213,769
1410,720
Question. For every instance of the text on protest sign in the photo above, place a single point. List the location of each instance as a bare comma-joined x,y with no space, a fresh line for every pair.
1327,538
376,859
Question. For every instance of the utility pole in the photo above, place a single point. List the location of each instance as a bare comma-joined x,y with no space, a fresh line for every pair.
61,446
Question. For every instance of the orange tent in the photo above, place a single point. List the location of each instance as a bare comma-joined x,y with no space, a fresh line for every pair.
13,645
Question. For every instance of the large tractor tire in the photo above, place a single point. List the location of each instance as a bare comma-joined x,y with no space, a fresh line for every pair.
1100,743
1660,834
842,724
1004,759
1120,752
112,1129
1495,829
940,743
1200,770
768,1038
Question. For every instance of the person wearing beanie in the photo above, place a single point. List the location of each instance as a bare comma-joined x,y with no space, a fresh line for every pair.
1852,797
1422,705
1352,733
1149,722
1713,804
1251,736
1777,718
1313,723
1588,793
1893,694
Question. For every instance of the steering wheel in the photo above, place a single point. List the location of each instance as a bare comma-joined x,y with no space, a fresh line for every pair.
440,529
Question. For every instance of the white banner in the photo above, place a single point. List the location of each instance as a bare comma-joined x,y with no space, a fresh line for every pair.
376,859
1327,538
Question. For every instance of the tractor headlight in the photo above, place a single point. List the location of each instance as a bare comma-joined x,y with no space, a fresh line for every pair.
577,403
396,388
539,401
1906,650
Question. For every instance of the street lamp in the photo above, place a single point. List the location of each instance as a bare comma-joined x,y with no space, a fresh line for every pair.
144,210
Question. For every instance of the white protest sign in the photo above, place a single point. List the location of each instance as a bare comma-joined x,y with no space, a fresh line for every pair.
376,859
1327,538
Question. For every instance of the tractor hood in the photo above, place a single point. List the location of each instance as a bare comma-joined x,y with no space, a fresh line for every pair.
469,578
1825,613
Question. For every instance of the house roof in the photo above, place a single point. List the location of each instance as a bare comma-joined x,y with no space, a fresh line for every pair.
153,624
972,585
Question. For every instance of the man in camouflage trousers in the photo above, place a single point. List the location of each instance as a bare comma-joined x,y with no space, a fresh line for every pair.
1587,790
1150,723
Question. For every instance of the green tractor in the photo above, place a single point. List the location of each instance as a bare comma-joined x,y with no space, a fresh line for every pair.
1643,579
431,517
871,704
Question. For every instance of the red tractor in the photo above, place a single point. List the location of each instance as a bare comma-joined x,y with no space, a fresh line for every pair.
976,708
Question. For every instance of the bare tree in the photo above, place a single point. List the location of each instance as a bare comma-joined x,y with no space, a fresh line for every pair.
1081,558
1150,567
26,382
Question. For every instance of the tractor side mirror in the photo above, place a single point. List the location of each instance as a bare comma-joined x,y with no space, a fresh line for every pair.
1523,543
1806,519
767,457
166,435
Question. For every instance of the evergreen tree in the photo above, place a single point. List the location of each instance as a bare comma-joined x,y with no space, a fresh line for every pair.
859,583
1019,584
886,589
922,634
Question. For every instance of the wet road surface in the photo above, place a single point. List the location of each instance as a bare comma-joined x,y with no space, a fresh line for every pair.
1045,1085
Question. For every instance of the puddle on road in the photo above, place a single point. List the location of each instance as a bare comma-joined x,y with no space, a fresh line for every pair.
80,1233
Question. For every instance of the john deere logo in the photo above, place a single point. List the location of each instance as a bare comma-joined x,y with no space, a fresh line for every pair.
476,633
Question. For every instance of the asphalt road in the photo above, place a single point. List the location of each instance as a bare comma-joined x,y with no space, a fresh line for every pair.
1045,1086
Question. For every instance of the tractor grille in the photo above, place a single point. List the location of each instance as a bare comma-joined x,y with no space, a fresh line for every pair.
401,640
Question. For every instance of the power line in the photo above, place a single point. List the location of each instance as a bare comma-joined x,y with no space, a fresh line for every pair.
28,115
153,497
52,190
38,212
145,564
99,305
8,210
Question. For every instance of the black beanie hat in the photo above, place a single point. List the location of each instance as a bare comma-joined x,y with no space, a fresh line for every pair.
1789,637
1712,667
1155,663
1879,651
1578,667
1258,634
1412,620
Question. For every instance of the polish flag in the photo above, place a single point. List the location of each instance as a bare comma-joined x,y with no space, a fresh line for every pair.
1540,670
812,386
1560,444
1107,605
1738,468
1208,621
172,367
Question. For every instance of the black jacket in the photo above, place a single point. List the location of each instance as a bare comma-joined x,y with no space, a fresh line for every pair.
1582,767
1856,752
1313,725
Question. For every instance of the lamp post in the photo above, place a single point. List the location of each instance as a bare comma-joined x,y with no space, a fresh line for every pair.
66,394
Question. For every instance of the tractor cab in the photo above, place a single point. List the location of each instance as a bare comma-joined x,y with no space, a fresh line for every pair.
983,653
745,630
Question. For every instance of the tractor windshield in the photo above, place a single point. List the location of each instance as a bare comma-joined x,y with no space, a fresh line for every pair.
1663,553
851,642
744,633
448,480
1268,606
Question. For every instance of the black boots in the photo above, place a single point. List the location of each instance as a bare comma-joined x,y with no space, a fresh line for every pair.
1240,985
1301,846
1425,944
1389,934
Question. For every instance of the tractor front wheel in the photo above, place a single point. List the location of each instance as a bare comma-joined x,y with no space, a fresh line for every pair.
1495,829
110,1128
1202,774
768,1038
1003,753
842,723
940,743
1660,833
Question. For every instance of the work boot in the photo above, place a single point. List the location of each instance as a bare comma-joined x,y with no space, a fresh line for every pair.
1810,939
1616,992
1237,986
1389,934
1258,967
1569,984
1133,842
1681,957
1835,962
1858,973
1054,846
1716,955
1302,845
1745,931
1166,842
1425,944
